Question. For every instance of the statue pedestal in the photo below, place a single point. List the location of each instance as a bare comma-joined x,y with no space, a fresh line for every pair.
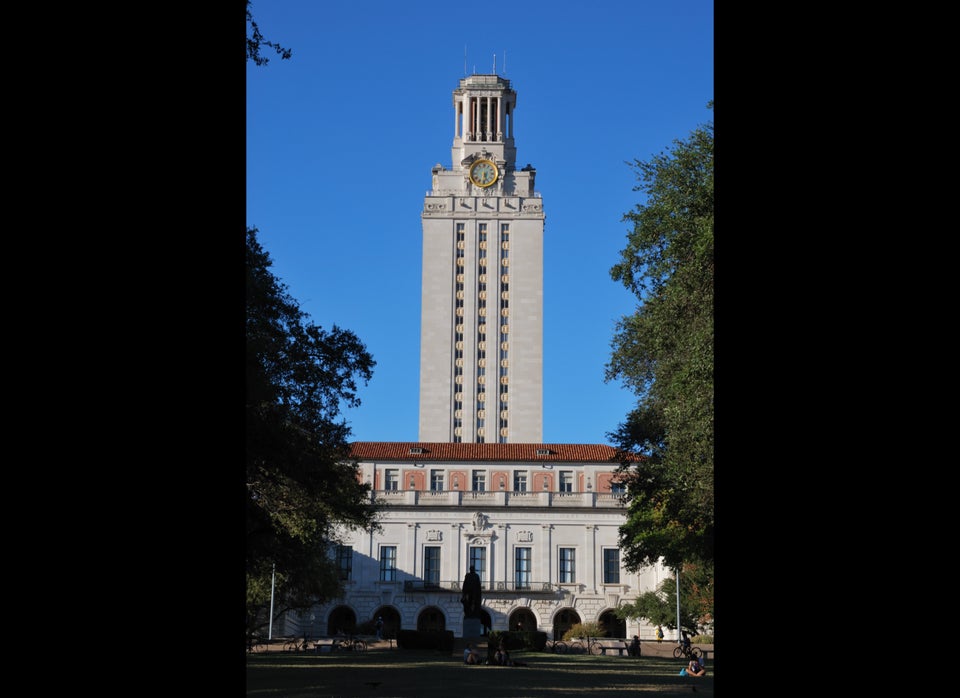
472,628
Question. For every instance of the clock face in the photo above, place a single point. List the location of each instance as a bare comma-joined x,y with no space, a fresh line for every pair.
483,173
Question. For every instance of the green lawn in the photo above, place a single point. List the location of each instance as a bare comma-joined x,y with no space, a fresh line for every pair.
389,673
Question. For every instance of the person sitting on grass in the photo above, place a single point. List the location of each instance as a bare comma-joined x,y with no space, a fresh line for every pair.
695,668
469,656
502,656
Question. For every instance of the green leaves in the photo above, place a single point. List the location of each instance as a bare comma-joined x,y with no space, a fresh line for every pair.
664,352
300,480
660,607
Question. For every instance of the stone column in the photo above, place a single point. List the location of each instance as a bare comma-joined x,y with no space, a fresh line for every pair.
457,117
590,545
500,117
489,119
545,555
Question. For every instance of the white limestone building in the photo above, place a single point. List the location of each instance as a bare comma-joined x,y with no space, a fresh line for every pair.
481,332
539,522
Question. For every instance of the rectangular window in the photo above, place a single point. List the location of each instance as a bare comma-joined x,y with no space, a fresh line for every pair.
617,487
392,479
431,565
478,560
388,563
436,480
519,482
611,566
479,481
568,565
344,561
523,565
566,481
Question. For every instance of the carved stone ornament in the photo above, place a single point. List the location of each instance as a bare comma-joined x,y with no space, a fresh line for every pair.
479,155
479,521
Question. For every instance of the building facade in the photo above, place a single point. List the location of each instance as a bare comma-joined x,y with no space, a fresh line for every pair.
539,522
481,333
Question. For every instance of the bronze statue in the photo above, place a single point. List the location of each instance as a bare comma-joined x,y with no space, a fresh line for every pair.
471,594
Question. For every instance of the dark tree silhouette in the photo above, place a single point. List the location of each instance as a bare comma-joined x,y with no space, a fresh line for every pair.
255,40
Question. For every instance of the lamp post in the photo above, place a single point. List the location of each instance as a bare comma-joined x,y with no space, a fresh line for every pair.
273,581
677,572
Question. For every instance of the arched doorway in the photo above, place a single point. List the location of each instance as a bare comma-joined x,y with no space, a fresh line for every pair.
342,619
562,622
612,626
431,618
522,619
391,621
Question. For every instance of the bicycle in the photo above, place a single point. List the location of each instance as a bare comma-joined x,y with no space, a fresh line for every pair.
558,646
295,645
350,644
687,651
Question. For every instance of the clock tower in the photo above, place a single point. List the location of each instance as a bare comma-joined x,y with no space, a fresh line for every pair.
481,331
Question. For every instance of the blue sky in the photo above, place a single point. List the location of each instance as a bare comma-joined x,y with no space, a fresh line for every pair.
341,139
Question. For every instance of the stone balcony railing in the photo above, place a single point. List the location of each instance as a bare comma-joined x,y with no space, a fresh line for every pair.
456,498
490,587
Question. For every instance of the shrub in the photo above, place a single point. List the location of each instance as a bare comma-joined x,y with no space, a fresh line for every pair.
532,639
425,640
589,629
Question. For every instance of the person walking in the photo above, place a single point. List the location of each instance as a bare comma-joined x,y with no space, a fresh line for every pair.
379,627
659,634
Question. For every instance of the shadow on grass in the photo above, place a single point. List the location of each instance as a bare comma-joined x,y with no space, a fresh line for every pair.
420,674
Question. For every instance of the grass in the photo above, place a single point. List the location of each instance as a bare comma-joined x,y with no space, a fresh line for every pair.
395,673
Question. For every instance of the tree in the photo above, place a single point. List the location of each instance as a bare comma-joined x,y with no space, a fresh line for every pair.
664,353
302,484
255,40
586,629
659,607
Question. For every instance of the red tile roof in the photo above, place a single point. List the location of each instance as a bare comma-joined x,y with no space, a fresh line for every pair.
401,451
